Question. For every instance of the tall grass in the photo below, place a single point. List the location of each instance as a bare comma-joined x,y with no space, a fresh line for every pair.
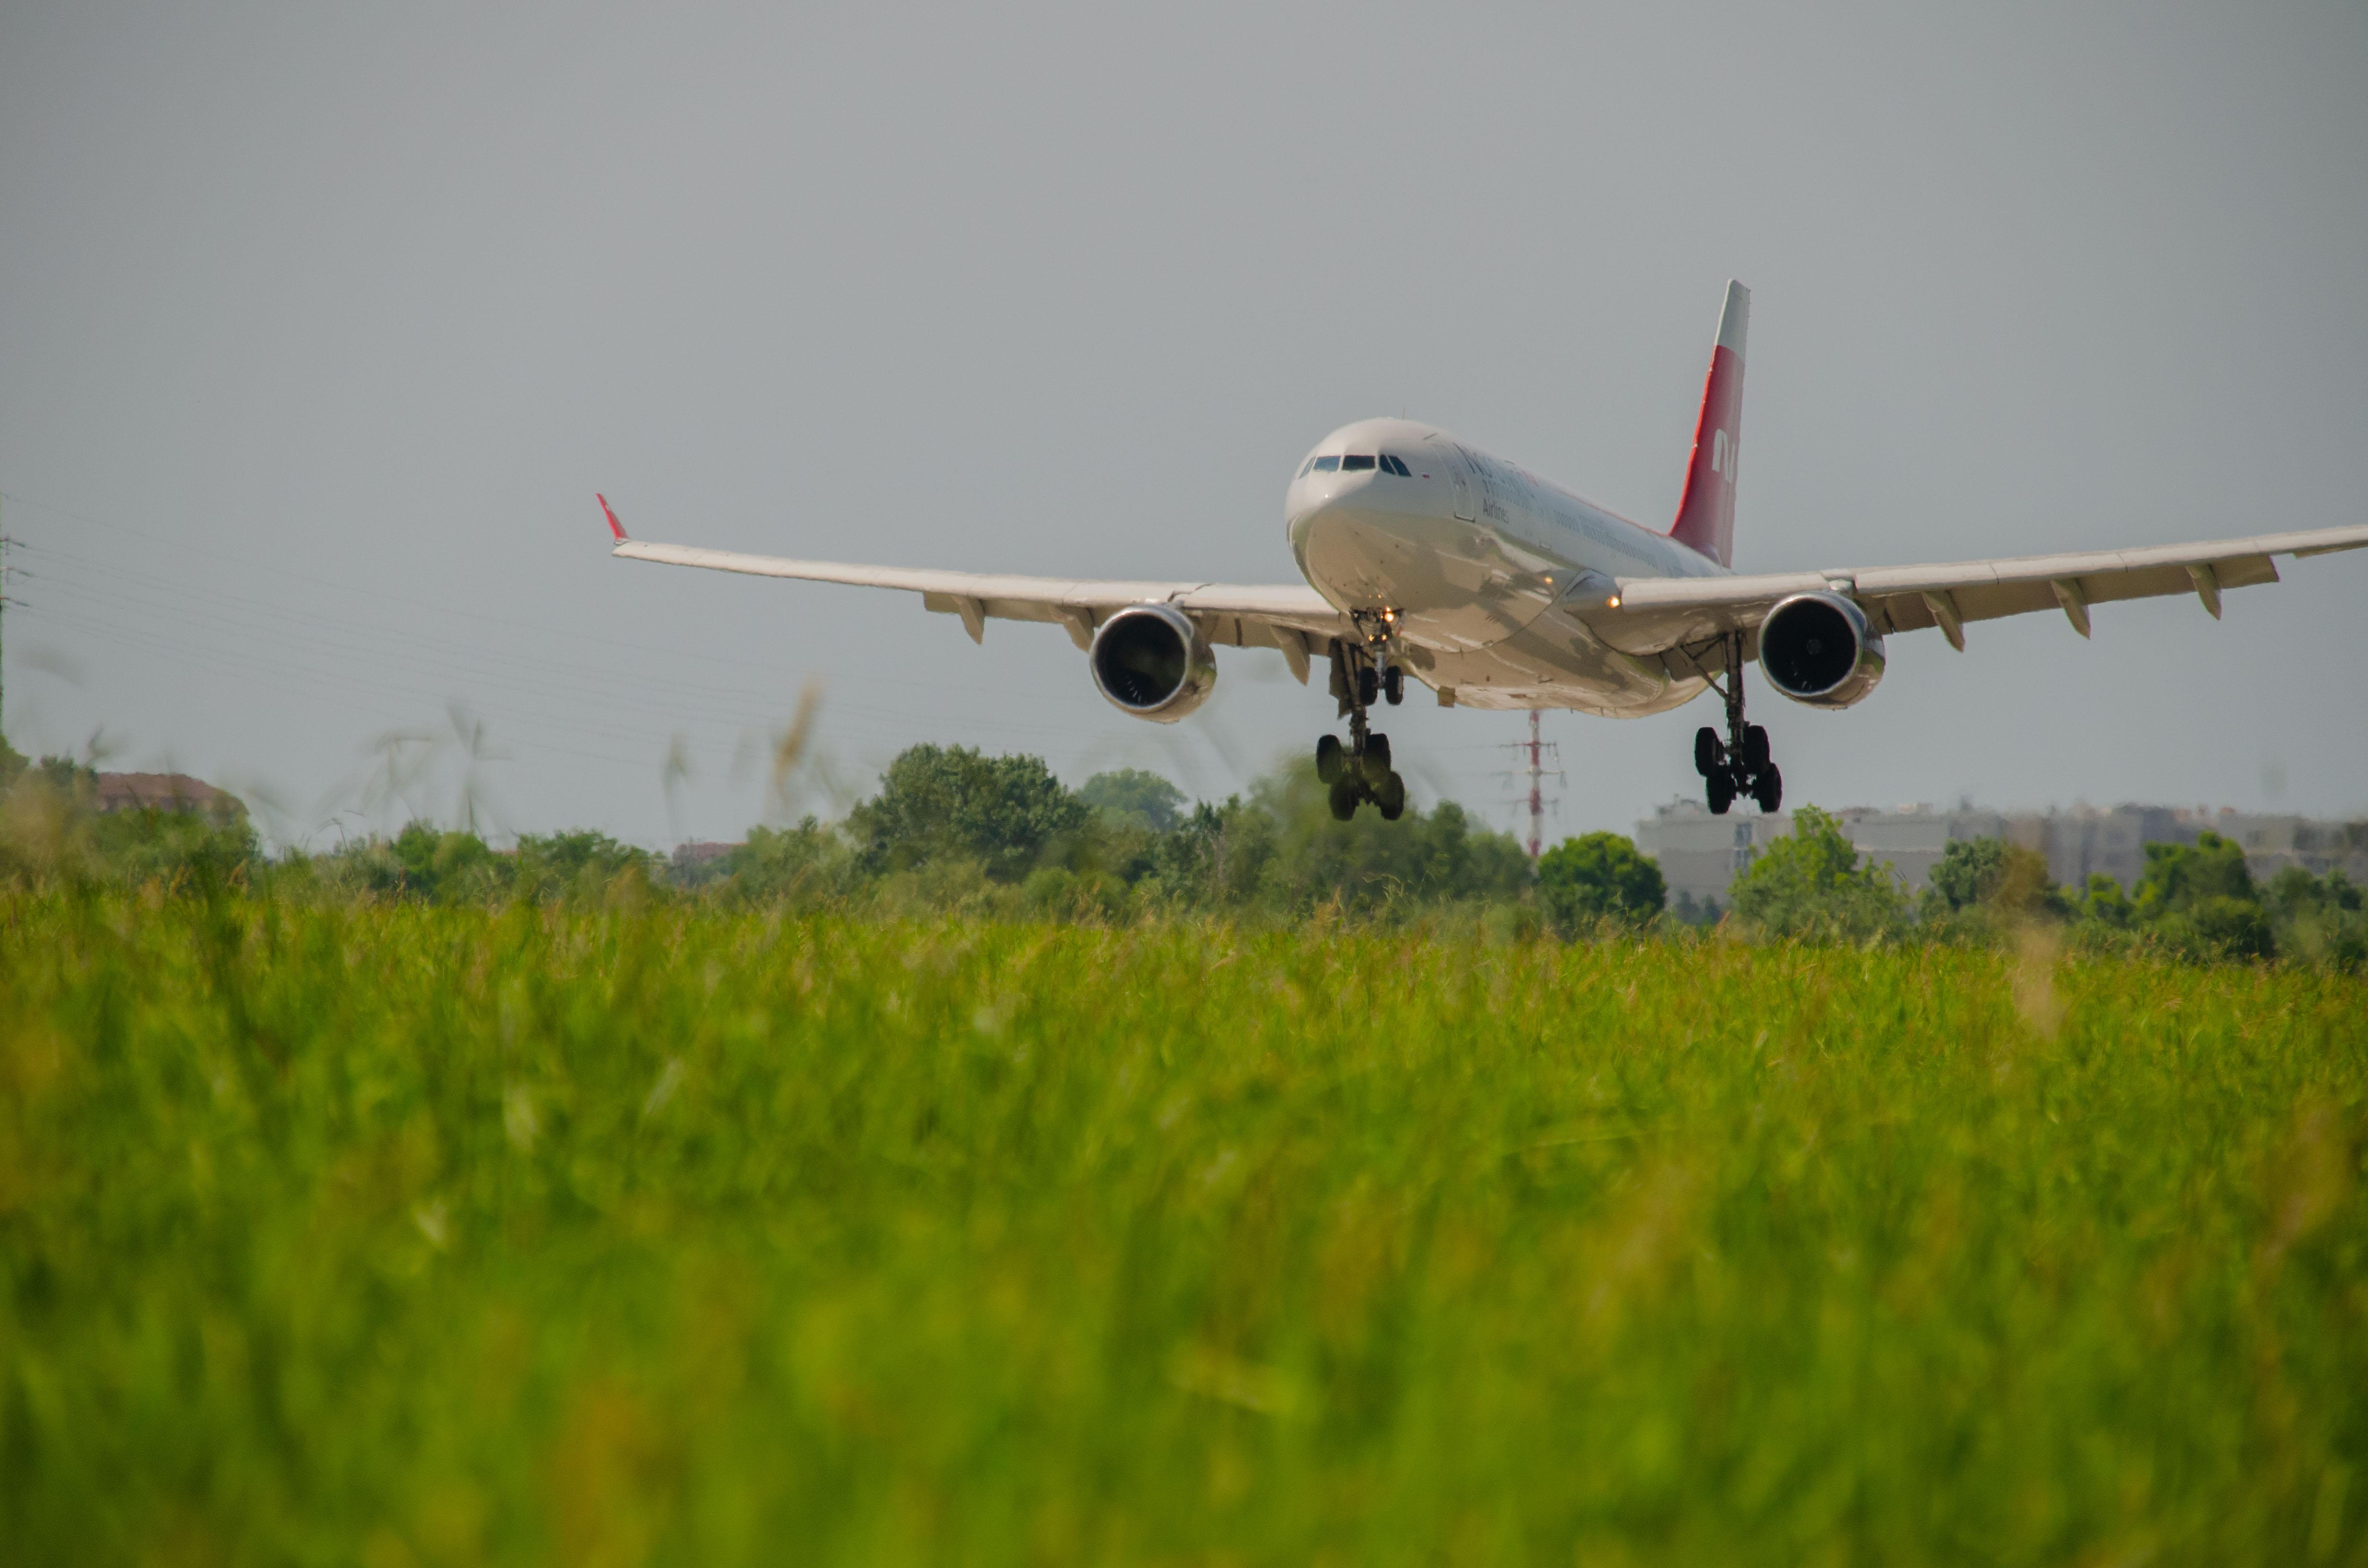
404,1235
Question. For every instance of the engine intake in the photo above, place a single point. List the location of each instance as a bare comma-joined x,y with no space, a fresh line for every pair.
1818,649
1152,662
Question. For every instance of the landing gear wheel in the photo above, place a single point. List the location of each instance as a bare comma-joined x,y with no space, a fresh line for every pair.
1755,750
1390,797
1393,686
1369,687
1706,750
1331,760
1377,757
1767,789
1343,798
1721,792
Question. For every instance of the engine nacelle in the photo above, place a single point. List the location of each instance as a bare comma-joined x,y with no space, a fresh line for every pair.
1152,662
1818,649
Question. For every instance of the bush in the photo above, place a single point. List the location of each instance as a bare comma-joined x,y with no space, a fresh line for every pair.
1131,797
1598,879
935,800
1808,886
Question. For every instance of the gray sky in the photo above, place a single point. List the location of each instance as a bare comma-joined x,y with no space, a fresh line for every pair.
320,328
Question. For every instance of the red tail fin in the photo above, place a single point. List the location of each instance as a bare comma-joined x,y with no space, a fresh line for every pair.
1706,512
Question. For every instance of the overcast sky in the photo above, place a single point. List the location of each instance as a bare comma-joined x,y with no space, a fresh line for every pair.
322,324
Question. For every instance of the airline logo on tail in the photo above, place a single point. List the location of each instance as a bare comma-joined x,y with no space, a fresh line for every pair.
1706,512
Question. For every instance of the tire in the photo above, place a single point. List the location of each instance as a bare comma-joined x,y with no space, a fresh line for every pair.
1721,792
1343,798
1368,689
1330,761
1755,750
1390,798
1767,789
1393,686
1377,757
1706,750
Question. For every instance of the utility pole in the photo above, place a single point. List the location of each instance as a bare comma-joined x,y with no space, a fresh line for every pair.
1537,752
3,657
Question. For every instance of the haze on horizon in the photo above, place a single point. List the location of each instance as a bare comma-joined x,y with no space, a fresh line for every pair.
322,327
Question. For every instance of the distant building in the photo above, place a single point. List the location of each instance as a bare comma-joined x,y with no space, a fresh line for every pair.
1700,854
161,792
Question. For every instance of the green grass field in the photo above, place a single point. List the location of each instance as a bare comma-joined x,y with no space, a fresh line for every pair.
409,1236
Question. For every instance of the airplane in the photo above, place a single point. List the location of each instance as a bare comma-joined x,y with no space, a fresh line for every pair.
1424,555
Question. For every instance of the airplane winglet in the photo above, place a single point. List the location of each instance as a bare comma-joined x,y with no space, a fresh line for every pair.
614,526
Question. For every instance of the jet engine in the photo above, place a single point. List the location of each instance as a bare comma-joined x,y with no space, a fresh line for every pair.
1818,649
1152,662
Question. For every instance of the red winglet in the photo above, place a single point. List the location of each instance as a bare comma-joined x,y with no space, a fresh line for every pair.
614,526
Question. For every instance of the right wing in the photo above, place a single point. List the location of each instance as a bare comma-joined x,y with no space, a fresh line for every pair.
1296,619
1679,616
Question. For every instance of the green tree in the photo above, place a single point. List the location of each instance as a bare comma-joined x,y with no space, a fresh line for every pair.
435,863
1282,850
2318,922
1969,871
1135,798
2180,876
808,862
583,864
2199,901
1992,878
2106,903
1598,878
1003,811
191,848
1809,886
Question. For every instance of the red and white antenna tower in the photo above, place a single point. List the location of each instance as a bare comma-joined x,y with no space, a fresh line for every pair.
1537,750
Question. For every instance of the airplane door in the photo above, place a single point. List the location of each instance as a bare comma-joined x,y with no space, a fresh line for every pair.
1459,469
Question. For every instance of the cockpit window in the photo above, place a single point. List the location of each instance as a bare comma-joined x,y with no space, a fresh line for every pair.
1357,461
1395,465
1326,465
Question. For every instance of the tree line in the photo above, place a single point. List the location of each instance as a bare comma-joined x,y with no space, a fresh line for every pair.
951,831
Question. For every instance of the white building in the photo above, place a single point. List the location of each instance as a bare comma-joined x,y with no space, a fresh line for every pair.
1700,854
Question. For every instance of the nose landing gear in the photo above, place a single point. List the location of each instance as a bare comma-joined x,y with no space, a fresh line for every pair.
1360,771
1740,764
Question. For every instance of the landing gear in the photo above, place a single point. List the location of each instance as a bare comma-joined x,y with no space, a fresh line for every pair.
1360,771
1740,764
1329,759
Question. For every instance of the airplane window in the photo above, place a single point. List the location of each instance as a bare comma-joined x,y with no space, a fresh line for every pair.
1357,461
1395,465
1326,465
1305,466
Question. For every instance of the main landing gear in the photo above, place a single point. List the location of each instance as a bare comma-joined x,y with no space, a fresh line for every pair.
1739,765
1360,771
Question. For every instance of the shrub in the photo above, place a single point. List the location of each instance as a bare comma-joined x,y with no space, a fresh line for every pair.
1809,886
935,800
1132,797
1597,878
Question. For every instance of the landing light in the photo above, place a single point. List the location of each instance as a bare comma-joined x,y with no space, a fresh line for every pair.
1614,601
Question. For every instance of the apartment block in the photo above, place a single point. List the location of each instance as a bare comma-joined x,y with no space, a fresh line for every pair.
1700,854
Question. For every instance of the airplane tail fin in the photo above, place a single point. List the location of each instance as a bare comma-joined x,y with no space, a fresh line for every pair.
1706,512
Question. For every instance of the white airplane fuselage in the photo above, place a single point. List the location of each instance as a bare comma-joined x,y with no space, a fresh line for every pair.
1483,572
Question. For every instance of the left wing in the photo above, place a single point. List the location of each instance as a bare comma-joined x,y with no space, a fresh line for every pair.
1673,614
1296,619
